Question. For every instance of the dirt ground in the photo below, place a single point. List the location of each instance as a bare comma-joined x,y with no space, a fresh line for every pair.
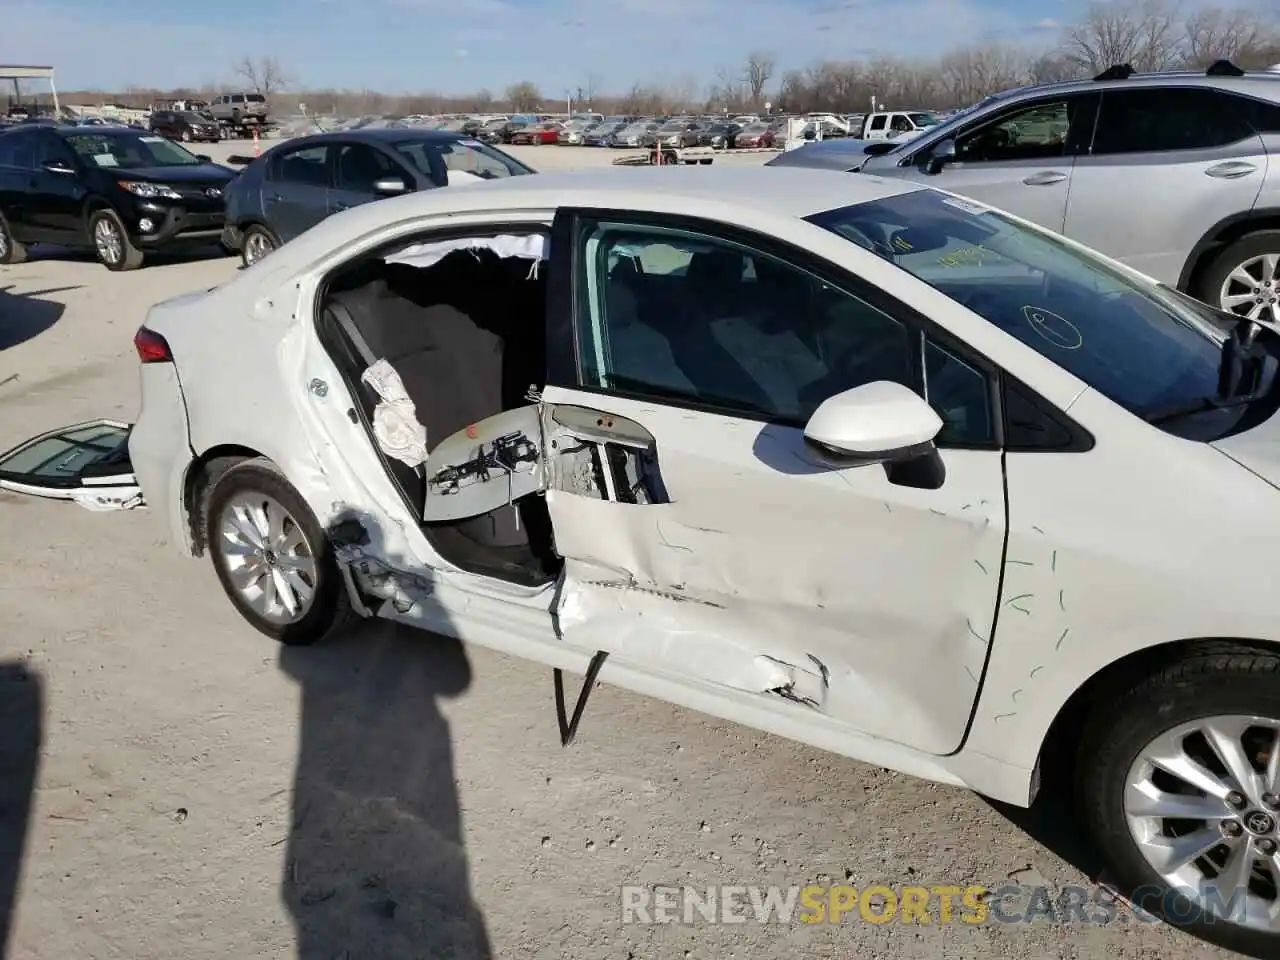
200,793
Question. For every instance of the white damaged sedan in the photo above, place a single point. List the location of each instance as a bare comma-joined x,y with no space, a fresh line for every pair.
864,464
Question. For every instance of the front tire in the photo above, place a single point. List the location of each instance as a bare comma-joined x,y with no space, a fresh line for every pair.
1179,784
11,251
271,556
256,243
1244,278
111,242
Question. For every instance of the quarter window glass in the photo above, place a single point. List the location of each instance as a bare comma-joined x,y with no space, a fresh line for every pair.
1157,119
1037,133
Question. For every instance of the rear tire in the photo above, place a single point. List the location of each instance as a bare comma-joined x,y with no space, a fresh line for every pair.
1246,253
273,560
11,251
111,242
1119,790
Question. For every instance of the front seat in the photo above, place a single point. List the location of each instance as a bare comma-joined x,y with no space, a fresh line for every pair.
638,354
712,291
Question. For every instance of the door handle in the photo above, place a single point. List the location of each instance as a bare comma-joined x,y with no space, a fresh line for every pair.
341,206
1231,170
274,198
1044,178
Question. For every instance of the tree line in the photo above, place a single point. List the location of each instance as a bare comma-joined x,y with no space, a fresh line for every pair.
1147,34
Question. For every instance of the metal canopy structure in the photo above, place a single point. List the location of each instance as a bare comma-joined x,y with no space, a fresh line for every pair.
18,73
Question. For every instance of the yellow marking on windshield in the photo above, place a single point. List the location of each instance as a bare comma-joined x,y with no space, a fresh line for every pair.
969,257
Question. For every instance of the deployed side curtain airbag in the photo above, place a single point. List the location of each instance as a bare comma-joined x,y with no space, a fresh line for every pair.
531,247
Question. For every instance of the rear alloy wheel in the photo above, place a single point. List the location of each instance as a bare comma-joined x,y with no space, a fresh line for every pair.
111,242
1180,786
1244,279
273,560
256,243
11,251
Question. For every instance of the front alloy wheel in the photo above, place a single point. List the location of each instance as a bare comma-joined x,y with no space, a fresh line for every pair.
1178,780
1202,804
111,243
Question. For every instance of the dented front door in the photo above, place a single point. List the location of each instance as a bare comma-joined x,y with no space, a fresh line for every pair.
750,564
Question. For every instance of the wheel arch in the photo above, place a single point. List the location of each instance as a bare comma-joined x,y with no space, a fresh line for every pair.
1057,751
201,476
1225,231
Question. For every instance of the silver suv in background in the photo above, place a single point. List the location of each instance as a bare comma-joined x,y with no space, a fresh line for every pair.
1174,174
240,109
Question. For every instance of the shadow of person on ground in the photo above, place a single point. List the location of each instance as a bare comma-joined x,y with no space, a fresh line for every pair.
24,316
21,732
375,862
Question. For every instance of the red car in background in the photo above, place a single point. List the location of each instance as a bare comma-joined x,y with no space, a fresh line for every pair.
540,133
754,135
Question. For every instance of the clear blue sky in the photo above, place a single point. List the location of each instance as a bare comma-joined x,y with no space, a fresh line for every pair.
464,45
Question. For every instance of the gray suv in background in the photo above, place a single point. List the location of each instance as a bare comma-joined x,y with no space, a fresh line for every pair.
1173,174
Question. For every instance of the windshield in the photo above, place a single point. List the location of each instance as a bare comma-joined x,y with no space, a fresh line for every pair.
435,157
1145,347
192,117
129,151
925,119
672,126
754,128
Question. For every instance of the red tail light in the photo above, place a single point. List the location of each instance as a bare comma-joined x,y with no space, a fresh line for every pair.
151,347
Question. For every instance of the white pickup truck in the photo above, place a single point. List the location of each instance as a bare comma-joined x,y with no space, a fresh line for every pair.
896,124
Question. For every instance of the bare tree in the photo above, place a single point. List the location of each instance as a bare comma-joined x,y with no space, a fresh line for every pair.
1216,34
590,88
1141,33
756,72
1052,68
263,74
523,96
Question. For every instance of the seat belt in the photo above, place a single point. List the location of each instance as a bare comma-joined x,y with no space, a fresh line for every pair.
348,324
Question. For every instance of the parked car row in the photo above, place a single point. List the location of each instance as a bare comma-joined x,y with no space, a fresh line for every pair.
1036,446
127,193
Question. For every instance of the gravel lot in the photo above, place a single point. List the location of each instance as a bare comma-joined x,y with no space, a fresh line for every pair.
203,794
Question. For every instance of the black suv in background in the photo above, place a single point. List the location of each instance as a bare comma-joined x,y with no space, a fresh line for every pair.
120,191
185,125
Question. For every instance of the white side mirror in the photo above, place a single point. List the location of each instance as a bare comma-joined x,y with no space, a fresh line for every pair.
876,422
